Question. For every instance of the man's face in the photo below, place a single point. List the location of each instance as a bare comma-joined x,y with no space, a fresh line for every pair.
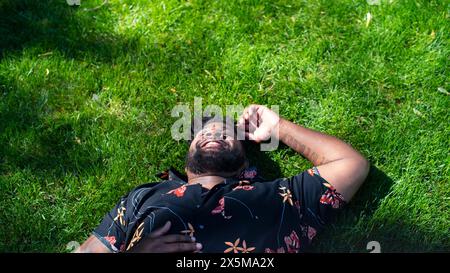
215,150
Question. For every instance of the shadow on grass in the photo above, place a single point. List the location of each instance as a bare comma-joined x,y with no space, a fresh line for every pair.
36,130
51,25
267,168
372,192
362,222
89,35
33,139
365,219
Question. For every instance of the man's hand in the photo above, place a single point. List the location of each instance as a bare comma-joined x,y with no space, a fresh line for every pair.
157,242
259,123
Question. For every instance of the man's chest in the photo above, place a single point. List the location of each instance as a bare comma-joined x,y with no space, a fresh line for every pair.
215,216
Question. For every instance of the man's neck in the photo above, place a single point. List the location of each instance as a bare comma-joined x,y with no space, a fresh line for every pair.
207,181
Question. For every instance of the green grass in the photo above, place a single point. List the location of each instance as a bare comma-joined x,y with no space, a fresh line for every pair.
65,158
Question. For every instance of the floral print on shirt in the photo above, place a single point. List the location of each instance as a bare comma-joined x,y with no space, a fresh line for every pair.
236,216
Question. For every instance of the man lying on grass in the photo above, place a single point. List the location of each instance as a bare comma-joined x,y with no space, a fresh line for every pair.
222,209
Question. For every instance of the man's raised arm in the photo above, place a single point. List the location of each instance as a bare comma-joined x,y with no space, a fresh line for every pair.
338,163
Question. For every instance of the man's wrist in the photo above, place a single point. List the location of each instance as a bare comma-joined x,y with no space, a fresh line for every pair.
282,128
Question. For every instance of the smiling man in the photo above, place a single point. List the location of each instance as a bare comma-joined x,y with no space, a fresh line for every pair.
223,208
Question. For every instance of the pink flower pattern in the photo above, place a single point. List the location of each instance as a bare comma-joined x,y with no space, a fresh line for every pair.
331,197
179,192
220,209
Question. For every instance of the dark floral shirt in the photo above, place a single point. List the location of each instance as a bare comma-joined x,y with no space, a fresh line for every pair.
238,215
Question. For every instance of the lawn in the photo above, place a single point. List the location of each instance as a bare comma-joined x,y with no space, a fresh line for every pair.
86,95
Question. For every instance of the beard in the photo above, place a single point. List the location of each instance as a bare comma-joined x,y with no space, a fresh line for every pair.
225,159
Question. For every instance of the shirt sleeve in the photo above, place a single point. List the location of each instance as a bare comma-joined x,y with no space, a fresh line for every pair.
113,228
117,223
319,201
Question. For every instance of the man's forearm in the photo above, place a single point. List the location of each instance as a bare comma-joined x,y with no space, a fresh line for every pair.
338,162
319,148
92,245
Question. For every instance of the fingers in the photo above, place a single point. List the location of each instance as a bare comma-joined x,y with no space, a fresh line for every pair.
249,111
161,231
250,121
252,110
258,136
181,247
158,242
241,122
252,137
178,238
